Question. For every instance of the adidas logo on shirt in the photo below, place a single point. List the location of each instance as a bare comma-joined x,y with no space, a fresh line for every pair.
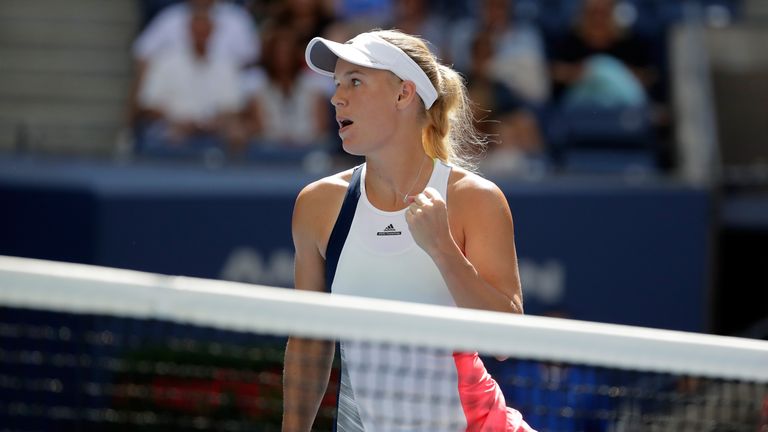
389,231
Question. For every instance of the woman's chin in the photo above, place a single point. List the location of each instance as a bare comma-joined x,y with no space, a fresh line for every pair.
351,148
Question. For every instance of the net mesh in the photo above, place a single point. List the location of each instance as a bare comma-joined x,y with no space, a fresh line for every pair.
86,348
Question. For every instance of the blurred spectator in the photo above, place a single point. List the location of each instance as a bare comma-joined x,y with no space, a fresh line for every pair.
308,18
234,35
287,105
190,97
518,49
516,146
234,39
597,61
365,13
416,18
602,76
520,150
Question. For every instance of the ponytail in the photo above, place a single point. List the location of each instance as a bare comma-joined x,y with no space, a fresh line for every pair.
449,133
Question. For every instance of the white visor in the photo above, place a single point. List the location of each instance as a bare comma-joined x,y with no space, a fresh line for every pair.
371,51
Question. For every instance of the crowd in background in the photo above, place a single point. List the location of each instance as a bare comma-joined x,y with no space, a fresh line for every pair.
230,77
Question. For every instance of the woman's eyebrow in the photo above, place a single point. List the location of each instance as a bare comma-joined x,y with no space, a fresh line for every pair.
350,72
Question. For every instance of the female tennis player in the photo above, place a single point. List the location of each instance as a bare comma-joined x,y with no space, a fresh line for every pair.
412,223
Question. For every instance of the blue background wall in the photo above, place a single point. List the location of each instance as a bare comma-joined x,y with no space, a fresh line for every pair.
625,252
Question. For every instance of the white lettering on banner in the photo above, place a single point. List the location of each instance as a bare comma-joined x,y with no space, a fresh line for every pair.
246,264
544,282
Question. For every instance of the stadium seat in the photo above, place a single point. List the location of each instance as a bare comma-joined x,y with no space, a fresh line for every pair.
602,140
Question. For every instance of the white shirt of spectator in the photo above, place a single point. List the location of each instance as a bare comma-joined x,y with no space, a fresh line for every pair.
519,57
187,88
520,63
234,34
288,119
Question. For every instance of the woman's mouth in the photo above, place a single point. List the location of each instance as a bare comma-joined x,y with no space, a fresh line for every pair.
344,124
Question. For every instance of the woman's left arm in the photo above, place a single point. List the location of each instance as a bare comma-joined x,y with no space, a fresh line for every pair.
484,275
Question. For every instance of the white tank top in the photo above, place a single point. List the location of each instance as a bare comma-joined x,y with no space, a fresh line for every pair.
380,259
371,253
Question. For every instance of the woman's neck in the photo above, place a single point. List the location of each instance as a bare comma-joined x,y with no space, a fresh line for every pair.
389,181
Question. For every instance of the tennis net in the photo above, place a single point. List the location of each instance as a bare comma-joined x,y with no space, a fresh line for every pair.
91,348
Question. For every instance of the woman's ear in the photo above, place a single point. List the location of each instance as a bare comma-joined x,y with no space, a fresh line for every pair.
406,94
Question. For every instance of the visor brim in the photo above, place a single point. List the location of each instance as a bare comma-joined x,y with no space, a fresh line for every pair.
322,54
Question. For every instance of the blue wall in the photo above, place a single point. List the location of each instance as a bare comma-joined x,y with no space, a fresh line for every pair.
630,253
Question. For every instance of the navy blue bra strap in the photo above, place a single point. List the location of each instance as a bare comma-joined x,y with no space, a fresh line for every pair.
341,228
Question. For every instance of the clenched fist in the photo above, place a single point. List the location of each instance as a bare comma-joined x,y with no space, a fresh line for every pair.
427,217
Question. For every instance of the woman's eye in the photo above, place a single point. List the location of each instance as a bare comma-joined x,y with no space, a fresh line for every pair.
356,82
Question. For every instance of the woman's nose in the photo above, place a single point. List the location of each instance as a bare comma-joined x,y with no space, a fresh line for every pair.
337,99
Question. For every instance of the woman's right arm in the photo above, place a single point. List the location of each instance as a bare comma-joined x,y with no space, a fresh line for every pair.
305,378
307,362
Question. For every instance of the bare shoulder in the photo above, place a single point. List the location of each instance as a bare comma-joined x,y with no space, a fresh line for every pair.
320,192
317,207
469,190
476,205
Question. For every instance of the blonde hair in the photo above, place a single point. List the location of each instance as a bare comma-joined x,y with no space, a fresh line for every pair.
450,134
